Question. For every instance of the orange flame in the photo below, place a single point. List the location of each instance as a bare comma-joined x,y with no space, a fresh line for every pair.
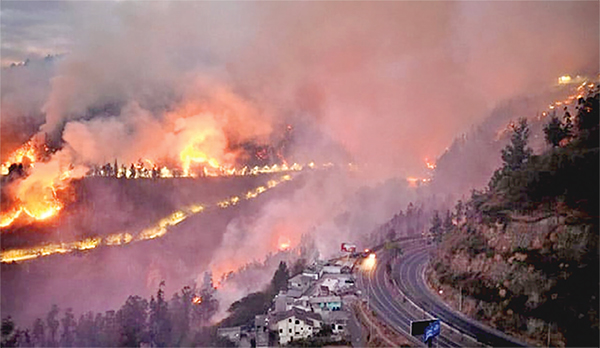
429,164
26,154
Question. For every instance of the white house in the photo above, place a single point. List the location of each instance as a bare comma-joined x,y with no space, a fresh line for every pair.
296,324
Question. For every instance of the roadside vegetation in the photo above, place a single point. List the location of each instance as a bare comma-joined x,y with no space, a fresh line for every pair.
523,252
183,321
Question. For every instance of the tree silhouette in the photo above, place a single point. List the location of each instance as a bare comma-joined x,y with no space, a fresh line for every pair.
160,325
67,338
516,154
280,278
436,227
554,132
38,333
132,321
52,324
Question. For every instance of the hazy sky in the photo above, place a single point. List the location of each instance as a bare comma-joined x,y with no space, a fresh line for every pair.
391,82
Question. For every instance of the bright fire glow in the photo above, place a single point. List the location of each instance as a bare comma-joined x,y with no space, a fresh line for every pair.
40,202
155,231
284,243
429,164
197,300
26,154
191,155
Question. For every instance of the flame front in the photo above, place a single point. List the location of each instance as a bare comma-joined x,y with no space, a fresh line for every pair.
26,154
157,230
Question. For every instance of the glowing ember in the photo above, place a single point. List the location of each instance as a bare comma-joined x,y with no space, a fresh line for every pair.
197,300
429,164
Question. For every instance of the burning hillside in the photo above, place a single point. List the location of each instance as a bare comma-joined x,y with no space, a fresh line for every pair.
227,131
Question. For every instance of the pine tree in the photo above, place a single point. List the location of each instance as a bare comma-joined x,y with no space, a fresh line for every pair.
448,224
38,333
517,153
52,324
67,338
160,325
280,278
554,132
132,321
436,227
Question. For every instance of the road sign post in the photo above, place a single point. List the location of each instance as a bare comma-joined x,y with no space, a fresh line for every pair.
432,330
428,328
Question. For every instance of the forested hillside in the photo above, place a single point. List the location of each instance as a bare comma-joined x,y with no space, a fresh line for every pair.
523,252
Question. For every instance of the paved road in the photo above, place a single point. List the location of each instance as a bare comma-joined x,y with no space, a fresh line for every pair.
407,298
395,309
408,274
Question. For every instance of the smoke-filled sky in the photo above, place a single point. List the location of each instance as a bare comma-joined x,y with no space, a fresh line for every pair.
390,82
383,84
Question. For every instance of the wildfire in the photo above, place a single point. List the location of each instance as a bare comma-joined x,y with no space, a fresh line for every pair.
191,155
27,154
429,164
155,231
284,243
197,300
414,182
7,218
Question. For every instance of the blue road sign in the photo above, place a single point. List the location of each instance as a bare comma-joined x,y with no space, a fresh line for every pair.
432,330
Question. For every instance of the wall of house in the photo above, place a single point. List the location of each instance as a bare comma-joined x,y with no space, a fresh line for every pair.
293,328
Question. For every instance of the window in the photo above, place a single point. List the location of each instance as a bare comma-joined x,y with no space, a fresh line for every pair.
310,328
280,330
297,321
290,330
289,320
340,327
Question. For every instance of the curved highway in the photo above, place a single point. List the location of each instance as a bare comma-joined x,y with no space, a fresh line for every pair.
405,297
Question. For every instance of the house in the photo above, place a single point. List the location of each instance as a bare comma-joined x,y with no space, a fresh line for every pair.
262,330
281,301
331,269
326,303
331,284
292,294
231,333
301,303
296,324
314,274
300,282
337,320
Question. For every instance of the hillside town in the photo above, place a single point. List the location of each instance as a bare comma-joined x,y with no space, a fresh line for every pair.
315,306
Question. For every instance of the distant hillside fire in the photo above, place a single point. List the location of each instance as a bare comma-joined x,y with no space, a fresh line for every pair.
191,141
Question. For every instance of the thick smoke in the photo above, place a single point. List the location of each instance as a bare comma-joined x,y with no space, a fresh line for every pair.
383,85
392,82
